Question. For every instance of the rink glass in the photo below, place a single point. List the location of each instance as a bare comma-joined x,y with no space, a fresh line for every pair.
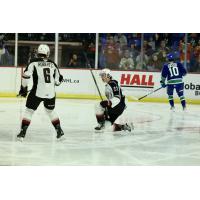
118,51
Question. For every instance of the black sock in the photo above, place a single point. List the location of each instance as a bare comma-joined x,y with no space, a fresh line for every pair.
56,123
25,124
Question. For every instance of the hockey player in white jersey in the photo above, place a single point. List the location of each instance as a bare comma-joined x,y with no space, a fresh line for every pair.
46,76
112,108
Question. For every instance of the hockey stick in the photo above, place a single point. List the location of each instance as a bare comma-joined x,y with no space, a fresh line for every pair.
150,93
20,117
132,98
94,79
96,85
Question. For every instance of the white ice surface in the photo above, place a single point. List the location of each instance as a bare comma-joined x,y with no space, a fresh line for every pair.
160,136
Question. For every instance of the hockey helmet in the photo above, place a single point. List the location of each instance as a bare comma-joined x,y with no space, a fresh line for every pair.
44,49
170,57
105,72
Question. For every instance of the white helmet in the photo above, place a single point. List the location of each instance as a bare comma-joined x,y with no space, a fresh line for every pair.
44,49
106,72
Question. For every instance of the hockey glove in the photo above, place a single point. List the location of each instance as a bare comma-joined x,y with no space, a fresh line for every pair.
163,84
105,104
23,91
61,78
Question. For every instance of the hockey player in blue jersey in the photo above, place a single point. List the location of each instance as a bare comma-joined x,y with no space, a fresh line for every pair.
173,71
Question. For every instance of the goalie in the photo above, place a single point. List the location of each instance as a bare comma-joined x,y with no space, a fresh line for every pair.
112,108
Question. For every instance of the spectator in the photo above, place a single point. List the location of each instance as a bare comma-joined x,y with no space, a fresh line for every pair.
11,56
159,37
133,39
142,61
151,43
193,39
74,61
121,38
2,38
197,49
196,66
32,54
91,47
147,48
134,52
162,52
126,62
163,47
5,58
118,48
91,53
182,53
102,59
154,63
111,54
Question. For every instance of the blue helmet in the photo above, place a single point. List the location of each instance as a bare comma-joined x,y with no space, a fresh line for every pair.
170,57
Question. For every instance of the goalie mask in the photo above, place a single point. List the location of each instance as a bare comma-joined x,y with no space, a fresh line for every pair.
44,49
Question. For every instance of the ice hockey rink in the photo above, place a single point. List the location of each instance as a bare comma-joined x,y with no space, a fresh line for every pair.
160,137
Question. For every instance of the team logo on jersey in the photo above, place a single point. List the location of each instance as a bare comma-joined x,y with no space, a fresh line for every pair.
137,80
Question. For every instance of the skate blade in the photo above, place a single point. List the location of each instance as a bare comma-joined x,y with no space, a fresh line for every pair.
121,133
98,131
124,132
132,127
62,138
20,139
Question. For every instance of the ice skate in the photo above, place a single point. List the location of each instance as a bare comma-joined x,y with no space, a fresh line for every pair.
100,128
184,109
172,109
21,135
60,133
128,127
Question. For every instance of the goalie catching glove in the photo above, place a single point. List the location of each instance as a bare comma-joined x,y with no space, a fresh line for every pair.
106,104
23,91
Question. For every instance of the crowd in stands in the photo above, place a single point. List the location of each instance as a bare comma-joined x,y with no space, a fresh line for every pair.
6,53
122,51
50,37
84,54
